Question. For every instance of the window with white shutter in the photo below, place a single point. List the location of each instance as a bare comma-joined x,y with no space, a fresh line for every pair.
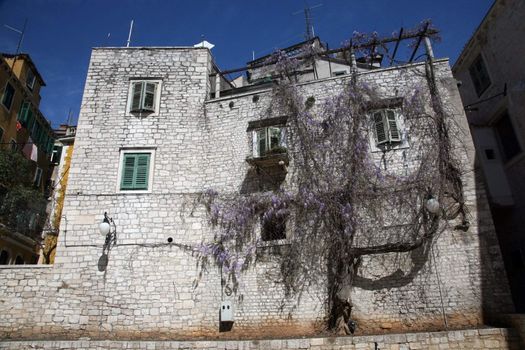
386,127
269,140
144,97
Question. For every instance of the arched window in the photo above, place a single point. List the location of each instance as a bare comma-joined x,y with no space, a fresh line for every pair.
4,257
19,260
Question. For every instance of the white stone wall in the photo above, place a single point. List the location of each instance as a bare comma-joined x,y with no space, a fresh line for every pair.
499,40
149,288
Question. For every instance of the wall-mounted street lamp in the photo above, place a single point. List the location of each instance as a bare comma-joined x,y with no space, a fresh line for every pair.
432,205
108,229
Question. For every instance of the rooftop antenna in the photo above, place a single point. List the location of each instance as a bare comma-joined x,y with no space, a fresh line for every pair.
129,35
69,117
20,32
309,33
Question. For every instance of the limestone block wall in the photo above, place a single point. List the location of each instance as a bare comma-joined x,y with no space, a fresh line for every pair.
150,288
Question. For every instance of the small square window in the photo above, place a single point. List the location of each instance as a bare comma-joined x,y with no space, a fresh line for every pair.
135,171
30,79
144,97
270,140
8,95
479,75
273,229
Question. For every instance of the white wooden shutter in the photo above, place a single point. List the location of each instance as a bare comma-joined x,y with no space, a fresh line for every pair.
393,127
380,128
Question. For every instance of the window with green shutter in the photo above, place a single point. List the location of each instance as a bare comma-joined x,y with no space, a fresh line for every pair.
135,171
22,115
143,96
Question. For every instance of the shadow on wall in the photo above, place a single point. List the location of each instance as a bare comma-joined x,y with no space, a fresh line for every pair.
260,179
495,292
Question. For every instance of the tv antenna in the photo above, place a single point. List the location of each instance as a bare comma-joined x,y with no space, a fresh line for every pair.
129,35
310,32
21,33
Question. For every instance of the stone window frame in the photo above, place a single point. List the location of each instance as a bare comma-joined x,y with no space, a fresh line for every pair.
254,127
125,150
158,89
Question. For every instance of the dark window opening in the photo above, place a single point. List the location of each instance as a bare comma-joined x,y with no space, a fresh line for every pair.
4,258
490,154
7,97
57,153
480,76
19,260
273,229
517,258
508,141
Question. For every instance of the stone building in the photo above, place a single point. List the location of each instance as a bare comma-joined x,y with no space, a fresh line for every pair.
154,132
61,160
493,91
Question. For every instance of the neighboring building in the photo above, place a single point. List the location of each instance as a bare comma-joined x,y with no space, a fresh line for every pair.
61,160
154,133
24,129
492,77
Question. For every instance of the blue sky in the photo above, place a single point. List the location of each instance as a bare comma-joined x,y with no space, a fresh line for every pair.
61,33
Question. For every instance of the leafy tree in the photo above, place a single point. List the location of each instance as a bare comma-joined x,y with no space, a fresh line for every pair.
22,207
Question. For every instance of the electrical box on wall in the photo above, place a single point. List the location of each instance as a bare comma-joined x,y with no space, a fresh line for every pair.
226,311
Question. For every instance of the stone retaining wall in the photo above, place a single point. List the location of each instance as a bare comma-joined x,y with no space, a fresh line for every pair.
488,338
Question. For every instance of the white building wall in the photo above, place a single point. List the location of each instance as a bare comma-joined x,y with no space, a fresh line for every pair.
153,289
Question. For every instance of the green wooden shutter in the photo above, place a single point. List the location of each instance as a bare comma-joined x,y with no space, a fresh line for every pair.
135,171
22,115
141,172
30,119
128,169
136,97
149,97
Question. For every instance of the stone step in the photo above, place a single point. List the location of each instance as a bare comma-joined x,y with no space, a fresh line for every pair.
480,338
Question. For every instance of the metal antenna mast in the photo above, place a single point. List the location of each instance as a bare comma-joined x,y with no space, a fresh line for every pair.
21,33
129,35
309,33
